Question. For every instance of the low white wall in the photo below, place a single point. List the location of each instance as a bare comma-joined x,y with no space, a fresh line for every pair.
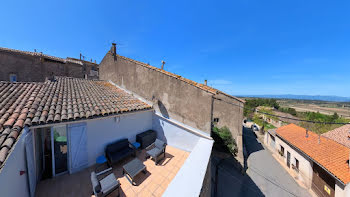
12,183
305,165
174,134
104,131
189,179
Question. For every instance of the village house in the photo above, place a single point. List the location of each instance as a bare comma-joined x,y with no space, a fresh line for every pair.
191,103
25,66
53,134
340,135
318,162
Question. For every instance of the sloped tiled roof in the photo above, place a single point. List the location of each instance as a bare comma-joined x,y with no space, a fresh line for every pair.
340,135
65,99
70,60
198,85
329,154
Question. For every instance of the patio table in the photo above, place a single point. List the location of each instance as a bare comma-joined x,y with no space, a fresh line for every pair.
133,168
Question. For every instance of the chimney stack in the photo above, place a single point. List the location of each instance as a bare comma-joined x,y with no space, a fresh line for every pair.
319,138
163,62
205,82
307,133
114,49
80,56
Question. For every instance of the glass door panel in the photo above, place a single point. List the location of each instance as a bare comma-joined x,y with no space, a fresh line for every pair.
60,150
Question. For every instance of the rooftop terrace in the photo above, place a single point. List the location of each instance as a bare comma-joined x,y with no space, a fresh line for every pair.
153,183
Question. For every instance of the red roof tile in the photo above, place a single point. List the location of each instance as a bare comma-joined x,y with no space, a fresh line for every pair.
26,104
328,153
340,135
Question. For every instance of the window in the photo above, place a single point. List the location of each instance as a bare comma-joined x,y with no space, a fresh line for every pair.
295,166
216,120
282,151
13,78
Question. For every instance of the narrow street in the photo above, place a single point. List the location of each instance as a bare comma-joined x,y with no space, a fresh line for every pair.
265,176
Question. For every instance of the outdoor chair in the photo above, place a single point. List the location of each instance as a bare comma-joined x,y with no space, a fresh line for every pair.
102,185
158,151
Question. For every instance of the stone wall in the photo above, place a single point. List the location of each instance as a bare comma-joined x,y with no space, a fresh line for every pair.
229,112
35,68
171,97
175,98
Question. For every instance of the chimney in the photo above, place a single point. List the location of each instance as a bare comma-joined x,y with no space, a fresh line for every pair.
307,133
163,62
319,138
114,49
205,82
80,56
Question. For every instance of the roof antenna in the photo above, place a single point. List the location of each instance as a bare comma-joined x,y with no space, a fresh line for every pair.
163,62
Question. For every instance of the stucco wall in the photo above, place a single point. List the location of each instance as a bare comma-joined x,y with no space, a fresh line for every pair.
173,134
230,113
104,131
12,183
341,191
189,179
177,99
35,68
305,165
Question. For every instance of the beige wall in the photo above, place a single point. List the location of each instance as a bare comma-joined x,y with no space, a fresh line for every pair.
33,68
305,165
171,97
230,113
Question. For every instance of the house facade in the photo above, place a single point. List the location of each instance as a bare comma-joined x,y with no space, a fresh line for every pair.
25,66
184,100
59,128
317,162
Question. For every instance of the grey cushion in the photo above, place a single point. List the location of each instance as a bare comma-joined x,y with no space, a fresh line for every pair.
159,144
154,152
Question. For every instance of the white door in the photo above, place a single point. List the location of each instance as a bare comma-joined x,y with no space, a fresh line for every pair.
78,155
30,163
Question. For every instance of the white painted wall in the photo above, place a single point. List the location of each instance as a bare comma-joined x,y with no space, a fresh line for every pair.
11,182
305,165
341,191
104,131
189,179
174,134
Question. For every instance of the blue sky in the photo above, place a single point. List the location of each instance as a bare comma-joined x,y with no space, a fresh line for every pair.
241,47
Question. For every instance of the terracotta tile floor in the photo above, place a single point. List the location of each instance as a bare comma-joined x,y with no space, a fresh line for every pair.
153,183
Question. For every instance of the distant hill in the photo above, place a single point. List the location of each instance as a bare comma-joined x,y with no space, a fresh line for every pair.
303,97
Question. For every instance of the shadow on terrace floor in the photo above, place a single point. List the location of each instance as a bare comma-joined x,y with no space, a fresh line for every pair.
153,183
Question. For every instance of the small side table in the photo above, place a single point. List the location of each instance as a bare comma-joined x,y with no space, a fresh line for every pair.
102,165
